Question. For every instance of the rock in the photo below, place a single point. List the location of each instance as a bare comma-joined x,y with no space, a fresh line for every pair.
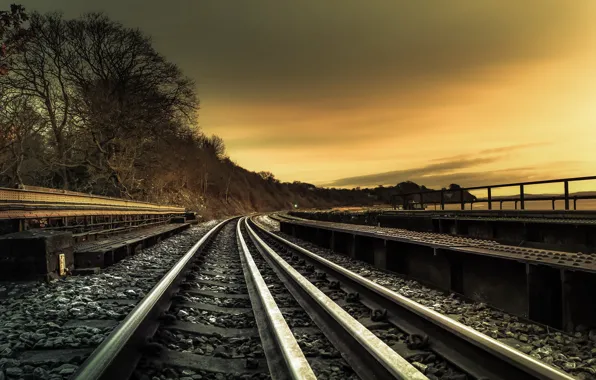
14,372
526,348
421,367
590,370
182,313
569,365
6,352
66,369
544,350
40,373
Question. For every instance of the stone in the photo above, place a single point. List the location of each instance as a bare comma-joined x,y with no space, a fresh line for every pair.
13,371
40,373
66,369
526,348
421,367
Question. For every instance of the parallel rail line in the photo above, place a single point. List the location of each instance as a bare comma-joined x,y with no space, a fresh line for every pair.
120,352
475,353
370,357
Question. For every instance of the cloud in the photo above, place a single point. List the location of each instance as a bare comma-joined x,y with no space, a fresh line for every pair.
415,174
456,169
500,150
319,49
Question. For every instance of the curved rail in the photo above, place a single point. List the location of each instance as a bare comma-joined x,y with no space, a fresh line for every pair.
272,325
117,356
370,357
460,344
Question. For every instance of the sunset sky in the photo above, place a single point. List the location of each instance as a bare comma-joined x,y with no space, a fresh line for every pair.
360,93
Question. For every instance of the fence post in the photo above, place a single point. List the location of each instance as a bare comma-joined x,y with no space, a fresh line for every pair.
521,197
566,195
490,201
463,203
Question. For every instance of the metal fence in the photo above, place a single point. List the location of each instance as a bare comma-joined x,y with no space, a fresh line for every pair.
460,195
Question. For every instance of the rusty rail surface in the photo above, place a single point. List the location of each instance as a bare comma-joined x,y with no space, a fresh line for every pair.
40,196
461,194
36,207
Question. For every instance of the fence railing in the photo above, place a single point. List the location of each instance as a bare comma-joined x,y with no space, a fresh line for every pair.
10,198
463,196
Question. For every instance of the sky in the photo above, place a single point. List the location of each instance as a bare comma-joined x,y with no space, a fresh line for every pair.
348,93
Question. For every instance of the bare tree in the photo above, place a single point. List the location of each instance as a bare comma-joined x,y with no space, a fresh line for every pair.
106,96
38,73
267,176
128,96
19,123
216,146
12,34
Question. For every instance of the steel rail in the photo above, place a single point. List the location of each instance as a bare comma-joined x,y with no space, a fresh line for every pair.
117,356
272,324
463,346
370,357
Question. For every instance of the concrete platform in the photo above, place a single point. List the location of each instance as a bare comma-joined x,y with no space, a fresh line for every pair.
33,255
573,231
105,252
550,287
538,230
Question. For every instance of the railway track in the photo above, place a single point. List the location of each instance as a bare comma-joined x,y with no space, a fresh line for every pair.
214,316
474,354
244,303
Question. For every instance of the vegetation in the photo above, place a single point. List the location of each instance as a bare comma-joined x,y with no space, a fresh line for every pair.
12,34
89,105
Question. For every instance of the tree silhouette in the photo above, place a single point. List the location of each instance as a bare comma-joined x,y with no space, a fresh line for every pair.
12,34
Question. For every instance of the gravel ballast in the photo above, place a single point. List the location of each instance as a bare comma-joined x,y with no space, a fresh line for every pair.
323,358
68,313
221,262
574,353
